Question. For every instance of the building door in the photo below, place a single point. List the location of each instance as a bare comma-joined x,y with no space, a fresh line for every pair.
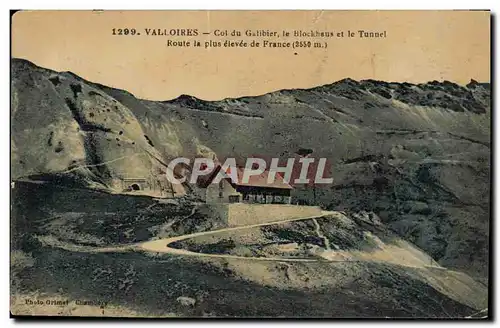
269,199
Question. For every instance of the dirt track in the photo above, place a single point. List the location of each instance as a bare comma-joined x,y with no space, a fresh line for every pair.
161,245
445,280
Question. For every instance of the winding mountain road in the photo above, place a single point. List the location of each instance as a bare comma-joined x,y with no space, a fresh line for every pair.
162,245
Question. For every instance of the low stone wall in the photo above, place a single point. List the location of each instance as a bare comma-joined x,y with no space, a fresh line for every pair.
240,214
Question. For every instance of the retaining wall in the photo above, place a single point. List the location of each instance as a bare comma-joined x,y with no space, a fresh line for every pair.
240,214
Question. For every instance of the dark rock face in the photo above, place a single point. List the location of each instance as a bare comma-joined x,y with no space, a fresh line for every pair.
417,155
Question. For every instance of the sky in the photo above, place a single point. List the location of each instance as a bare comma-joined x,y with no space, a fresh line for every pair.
418,46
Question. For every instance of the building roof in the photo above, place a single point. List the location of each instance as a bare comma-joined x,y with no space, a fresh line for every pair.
261,180
254,180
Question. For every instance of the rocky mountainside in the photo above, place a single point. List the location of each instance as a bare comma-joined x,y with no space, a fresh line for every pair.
418,155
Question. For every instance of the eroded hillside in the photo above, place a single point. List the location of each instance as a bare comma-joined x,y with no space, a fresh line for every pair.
418,155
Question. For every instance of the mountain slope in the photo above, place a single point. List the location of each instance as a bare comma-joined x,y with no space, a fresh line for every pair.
417,155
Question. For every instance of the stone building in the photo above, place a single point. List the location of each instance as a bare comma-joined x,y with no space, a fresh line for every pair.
256,190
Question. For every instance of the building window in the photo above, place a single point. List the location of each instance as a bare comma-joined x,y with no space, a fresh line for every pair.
234,199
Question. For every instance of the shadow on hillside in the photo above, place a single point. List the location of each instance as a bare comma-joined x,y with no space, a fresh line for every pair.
151,286
95,218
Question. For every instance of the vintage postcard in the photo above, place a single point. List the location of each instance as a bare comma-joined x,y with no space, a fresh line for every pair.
250,164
